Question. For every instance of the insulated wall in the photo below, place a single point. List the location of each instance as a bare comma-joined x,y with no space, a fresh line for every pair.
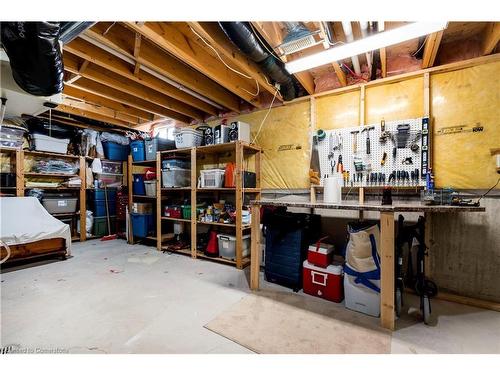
464,98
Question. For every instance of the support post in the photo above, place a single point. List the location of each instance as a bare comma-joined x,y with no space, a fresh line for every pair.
387,269
193,203
20,173
83,199
239,204
158,202
130,201
255,248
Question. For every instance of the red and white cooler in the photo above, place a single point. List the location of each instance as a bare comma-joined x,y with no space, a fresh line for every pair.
320,254
326,282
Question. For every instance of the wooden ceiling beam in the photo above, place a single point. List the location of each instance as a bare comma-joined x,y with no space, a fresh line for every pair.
213,34
383,52
177,39
272,36
490,38
165,64
108,112
98,56
336,66
76,93
94,116
118,82
431,48
119,96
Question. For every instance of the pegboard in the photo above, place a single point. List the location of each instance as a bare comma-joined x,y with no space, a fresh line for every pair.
341,142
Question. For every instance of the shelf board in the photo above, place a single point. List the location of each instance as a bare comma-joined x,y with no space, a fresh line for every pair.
175,219
248,190
7,188
176,188
225,147
52,187
143,197
143,162
185,251
245,226
65,214
201,255
186,150
45,174
9,149
51,154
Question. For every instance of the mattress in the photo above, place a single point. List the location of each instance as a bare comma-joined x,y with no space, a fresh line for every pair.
24,220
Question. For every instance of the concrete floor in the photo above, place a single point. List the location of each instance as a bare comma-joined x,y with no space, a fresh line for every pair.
111,297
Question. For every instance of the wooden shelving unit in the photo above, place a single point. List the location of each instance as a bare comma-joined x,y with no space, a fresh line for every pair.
18,157
237,152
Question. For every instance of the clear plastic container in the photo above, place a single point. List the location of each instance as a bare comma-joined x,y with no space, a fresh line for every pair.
150,188
110,179
176,177
212,178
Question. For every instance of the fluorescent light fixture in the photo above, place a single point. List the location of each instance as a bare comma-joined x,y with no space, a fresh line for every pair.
358,47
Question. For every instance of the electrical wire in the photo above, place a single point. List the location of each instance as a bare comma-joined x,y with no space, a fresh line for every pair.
494,186
109,28
230,68
261,42
265,117
419,48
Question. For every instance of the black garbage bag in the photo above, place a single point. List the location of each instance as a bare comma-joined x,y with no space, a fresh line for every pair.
35,56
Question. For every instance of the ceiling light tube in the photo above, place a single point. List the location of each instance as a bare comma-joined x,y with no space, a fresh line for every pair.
360,46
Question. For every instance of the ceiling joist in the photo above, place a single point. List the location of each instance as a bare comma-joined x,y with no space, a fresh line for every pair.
490,38
93,108
166,65
98,56
127,86
431,47
178,40
94,116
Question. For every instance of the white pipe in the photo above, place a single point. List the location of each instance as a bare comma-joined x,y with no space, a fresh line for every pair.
368,55
148,70
346,25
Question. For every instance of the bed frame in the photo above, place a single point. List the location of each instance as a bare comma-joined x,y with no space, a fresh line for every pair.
37,249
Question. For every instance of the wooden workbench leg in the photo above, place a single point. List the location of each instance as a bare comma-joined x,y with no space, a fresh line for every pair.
255,249
428,243
387,269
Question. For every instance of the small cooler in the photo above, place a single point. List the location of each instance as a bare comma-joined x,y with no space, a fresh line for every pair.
320,254
361,298
323,282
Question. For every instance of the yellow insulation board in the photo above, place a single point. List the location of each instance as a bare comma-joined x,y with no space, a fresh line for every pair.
468,97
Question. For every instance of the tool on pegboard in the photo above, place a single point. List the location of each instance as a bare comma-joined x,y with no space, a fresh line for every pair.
355,141
367,130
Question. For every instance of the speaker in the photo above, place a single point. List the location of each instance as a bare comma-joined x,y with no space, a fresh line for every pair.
208,135
221,134
239,131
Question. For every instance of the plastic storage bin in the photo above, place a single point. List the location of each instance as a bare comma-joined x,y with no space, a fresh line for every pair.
153,145
212,178
142,208
361,298
188,138
138,186
99,194
100,226
176,177
141,224
137,150
113,167
150,187
50,144
98,207
175,163
115,151
7,179
59,203
227,246
110,180
11,136
173,212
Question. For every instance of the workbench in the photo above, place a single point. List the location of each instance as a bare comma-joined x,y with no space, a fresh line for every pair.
387,219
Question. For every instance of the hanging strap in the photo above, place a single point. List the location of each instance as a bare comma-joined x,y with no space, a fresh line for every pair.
365,277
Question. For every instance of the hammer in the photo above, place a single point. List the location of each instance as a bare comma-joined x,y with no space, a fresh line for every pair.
355,141
368,138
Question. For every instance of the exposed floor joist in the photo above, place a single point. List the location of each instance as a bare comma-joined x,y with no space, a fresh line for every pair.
176,109
156,59
178,40
119,96
213,34
490,38
104,59
431,48
273,37
93,108
94,116
74,92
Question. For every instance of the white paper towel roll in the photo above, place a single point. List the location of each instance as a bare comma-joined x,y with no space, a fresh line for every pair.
332,190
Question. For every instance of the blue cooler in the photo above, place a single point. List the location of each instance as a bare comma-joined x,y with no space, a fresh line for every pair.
141,224
115,151
137,149
138,187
